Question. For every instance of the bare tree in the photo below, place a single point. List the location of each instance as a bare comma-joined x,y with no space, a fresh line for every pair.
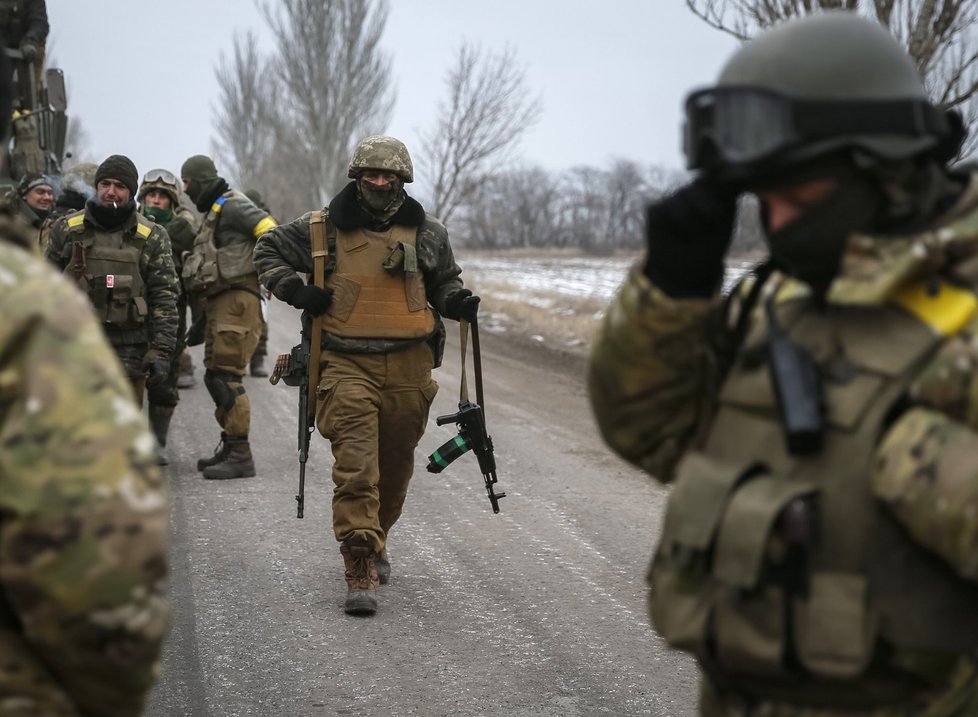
243,121
335,87
938,34
488,110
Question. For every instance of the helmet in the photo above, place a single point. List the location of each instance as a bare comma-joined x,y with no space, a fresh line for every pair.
199,167
379,151
809,87
163,180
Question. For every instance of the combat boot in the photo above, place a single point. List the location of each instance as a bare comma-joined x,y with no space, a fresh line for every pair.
185,376
220,453
257,367
159,421
237,461
359,561
383,567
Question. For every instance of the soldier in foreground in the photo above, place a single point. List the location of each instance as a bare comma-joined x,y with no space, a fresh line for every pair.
379,345
124,263
819,554
83,512
159,195
221,271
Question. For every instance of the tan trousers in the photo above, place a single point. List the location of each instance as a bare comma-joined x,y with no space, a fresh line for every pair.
373,409
233,330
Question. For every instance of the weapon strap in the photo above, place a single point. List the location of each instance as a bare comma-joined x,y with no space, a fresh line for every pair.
463,393
320,251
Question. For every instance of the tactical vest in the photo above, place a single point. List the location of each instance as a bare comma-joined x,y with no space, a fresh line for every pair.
378,287
817,623
210,269
105,265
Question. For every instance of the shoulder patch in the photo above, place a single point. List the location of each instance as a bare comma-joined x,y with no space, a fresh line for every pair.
218,204
143,230
946,311
76,220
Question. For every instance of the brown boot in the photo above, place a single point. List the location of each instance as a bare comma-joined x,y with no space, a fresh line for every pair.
220,453
383,567
361,576
237,463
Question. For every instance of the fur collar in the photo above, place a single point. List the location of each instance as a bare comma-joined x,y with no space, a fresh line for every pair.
347,213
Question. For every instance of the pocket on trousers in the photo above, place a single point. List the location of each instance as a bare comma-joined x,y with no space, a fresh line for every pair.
325,421
229,344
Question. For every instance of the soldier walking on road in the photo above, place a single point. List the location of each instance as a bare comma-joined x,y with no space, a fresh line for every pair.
124,263
389,263
819,553
257,367
83,511
222,273
159,195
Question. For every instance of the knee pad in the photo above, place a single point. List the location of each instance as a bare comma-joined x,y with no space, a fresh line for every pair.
219,386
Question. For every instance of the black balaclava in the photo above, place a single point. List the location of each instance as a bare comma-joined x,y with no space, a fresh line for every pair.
810,248
381,203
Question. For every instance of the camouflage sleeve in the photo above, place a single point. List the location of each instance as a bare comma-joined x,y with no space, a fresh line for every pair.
927,463
83,511
282,252
58,251
162,289
441,273
649,373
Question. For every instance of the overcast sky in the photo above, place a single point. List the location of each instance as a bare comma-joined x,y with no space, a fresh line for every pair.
612,73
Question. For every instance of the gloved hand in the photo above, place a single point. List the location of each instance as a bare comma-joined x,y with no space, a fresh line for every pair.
311,298
463,304
688,233
156,365
29,51
197,330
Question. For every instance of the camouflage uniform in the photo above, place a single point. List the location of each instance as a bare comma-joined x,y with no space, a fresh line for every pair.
157,274
257,366
819,550
83,512
375,386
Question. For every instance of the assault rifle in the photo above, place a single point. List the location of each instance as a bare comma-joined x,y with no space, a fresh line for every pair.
472,433
293,368
300,367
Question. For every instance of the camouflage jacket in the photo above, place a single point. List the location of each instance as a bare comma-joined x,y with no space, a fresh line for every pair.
155,267
285,251
83,510
658,366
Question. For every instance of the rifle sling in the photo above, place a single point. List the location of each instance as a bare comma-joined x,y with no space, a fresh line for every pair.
476,363
320,251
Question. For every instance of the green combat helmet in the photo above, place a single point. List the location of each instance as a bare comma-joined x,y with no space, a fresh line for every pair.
810,87
163,180
379,151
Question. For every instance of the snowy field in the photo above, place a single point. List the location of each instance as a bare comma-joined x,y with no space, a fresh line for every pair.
552,299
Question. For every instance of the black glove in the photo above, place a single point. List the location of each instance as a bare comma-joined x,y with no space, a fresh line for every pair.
463,304
157,366
311,299
688,234
195,335
28,51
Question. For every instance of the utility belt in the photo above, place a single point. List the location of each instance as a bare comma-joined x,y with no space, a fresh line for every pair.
126,337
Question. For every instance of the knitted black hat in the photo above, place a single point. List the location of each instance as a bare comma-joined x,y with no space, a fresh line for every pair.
120,168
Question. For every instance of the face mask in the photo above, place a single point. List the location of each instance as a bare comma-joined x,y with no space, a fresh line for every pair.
381,202
194,190
111,217
810,248
160,215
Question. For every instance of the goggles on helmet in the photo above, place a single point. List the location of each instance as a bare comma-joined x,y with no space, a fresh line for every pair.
747,125
155,175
